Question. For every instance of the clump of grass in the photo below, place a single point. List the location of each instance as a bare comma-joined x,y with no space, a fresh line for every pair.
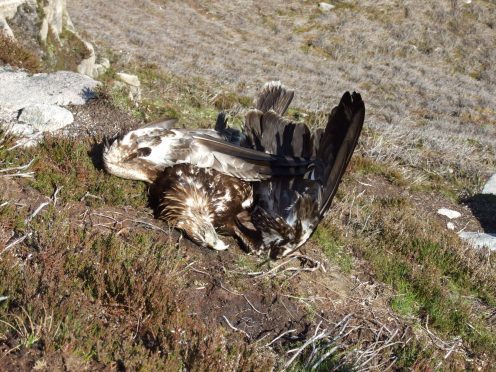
226,101
333,248
433,275
15,54
67,164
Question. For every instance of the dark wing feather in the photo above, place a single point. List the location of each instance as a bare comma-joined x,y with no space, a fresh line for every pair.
288,209
337,145
221,122
274,134
246,163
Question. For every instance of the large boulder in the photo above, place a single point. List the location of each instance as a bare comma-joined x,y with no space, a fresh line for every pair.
30,104
19,89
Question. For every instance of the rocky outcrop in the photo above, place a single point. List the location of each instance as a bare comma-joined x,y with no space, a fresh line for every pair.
60,88
8,8
43,117
54,27
30,104
490,186
56,19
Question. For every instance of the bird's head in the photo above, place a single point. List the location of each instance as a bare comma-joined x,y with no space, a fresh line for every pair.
130,155
202,233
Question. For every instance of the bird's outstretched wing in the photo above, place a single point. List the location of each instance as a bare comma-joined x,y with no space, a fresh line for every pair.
288,209
337,144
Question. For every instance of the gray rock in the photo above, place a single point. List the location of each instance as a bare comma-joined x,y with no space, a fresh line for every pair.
326,6
56,19
479,240
132,81
87,65
451,214
60,88
8,8
490,186
46,118
129,79
5,29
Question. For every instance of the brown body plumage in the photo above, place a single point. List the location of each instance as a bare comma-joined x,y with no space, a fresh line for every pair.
201,202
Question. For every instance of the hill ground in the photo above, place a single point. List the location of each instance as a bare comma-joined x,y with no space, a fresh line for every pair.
93,281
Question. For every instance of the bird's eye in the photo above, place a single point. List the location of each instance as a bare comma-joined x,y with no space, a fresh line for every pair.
144,151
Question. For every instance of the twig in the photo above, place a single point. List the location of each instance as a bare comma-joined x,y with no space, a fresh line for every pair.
236,329
15,242
36,211
280,336
53,200
22,167
154,227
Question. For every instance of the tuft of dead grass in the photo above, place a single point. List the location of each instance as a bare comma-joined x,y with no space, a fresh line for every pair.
16,55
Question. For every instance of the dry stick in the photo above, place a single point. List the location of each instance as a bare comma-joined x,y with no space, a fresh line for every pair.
15,242
53,200
280,336
154,227
236,329
343,323
22,167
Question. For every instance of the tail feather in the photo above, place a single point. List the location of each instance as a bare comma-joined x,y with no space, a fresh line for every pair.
274,96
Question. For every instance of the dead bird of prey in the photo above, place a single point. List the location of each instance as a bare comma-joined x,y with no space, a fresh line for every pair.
269,188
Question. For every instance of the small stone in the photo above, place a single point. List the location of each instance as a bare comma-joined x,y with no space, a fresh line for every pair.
490,186
451,225
451,214
46,118
87,65
129,79
326,6
479,240
3,298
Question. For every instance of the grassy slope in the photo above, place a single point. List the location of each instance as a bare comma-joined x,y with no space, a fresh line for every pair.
94,284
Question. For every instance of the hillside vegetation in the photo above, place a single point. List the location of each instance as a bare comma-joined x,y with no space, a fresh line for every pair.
89,279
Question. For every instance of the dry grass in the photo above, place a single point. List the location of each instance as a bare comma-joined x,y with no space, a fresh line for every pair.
16,55
93,277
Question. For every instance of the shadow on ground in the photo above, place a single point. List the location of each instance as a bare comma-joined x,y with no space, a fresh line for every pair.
483,207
